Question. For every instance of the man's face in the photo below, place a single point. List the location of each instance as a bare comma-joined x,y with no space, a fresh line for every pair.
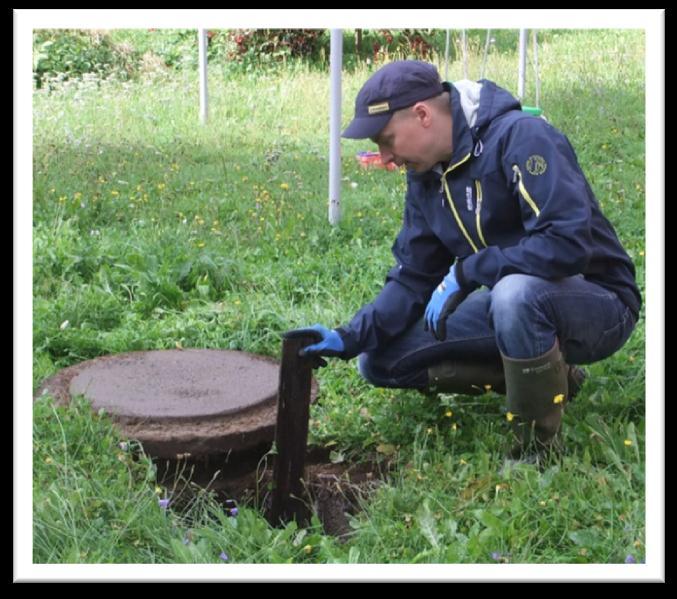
408,139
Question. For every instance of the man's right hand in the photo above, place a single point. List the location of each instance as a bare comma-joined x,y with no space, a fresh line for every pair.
330,344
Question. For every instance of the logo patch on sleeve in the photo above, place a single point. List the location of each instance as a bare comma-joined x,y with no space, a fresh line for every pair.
536,165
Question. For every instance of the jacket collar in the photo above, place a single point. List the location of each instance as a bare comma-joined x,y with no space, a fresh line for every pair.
462,140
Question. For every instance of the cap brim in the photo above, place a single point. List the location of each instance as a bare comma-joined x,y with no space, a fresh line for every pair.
366,126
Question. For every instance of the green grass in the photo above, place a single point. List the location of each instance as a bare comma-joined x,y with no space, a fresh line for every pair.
150,231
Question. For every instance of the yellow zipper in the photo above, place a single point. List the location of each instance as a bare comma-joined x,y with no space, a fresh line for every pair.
478,211
451,202
523,190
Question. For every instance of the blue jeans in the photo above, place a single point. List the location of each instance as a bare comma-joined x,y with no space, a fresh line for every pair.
521,317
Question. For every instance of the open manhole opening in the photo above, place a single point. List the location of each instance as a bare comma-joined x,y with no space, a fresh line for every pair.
333,491
207,419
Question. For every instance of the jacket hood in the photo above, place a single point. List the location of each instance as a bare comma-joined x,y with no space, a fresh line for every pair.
474,104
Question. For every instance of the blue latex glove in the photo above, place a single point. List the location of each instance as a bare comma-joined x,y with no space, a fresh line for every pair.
444,300
330,345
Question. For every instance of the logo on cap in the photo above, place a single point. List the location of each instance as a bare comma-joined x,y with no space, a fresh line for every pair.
378,108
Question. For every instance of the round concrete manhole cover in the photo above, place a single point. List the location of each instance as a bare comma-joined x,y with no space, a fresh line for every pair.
173,384
193,402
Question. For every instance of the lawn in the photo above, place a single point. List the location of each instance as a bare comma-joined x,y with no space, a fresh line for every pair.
152,232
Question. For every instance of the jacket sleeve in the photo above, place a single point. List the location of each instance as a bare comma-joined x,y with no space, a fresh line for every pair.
554,199
422,261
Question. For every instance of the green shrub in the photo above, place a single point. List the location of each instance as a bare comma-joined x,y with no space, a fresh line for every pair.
72,53
274,45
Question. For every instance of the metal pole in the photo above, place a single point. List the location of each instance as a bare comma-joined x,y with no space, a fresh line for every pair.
537,74
202,44
291,433
446,58
522,65
464,44
486,54
335,64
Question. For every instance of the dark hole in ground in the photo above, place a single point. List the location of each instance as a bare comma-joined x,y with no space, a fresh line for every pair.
334,490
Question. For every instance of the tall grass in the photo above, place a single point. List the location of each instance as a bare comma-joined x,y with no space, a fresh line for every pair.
153,232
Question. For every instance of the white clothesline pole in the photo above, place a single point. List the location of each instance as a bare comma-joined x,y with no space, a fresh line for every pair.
335,66
202,44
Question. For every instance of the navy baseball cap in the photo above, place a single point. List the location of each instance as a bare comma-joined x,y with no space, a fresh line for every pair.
394,86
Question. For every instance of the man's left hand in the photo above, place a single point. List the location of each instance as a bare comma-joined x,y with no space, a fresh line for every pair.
444,300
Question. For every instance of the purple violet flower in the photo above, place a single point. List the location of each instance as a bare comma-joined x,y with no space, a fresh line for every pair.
163,503
630,559
223,556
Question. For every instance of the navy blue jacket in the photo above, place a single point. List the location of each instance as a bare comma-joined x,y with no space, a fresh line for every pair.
520,204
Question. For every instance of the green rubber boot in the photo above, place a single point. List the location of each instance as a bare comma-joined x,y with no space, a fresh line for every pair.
537,390
465,377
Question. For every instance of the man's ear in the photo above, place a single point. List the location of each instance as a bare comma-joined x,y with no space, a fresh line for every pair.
423,112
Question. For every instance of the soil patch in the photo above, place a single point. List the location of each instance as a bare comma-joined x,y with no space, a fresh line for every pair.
334,492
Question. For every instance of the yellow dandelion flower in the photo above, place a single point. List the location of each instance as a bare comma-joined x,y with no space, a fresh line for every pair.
284,186
542,503
462,462
558,398
448,413
308,549
454,427
509,416
627,443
